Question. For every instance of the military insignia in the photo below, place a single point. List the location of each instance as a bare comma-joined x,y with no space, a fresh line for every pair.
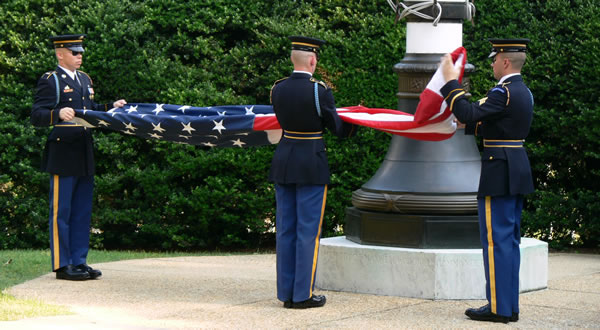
482,101
499,89
67,89
64,75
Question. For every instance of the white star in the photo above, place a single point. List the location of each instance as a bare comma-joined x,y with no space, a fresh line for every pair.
221,113
130,127
242,133
84,111
158,108
129,132
158,128
188,128
132,108
184,136
143,115
183,108
103,123
238,143
208,144
112,110
218,126
249,111
156,136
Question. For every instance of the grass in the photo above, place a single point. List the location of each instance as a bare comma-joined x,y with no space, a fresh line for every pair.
18,266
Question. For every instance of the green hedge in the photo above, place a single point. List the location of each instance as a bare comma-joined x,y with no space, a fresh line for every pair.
164,196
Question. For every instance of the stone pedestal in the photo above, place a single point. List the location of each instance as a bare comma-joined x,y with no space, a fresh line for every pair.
419,273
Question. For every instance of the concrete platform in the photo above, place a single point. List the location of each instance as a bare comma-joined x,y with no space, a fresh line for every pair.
419,273
238,292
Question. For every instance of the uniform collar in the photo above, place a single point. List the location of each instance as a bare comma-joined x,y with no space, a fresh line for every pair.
305,72
507,76
69,72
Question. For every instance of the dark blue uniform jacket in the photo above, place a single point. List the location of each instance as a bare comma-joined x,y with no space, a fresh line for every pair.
303,160
502,118
69,149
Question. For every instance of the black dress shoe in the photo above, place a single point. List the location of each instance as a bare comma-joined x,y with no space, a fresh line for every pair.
485,314
94,273
72,273
514,317
314,301
287,304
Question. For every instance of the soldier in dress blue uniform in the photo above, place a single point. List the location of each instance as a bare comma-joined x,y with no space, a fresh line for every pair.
304,106
68,157
503,119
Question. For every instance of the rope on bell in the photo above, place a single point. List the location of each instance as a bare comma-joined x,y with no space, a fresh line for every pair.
415,8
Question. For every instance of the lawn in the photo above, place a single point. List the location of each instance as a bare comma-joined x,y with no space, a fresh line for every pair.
18,266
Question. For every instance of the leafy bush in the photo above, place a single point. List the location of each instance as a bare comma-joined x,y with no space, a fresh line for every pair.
164,196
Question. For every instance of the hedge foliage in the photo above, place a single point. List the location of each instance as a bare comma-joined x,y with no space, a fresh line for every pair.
165,196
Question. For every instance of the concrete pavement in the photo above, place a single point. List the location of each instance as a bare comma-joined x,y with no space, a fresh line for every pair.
238,292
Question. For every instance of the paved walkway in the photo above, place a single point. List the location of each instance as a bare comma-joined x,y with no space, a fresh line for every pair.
238,292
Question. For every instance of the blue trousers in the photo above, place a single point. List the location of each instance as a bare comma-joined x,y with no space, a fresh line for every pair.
500,233
299,219
70,217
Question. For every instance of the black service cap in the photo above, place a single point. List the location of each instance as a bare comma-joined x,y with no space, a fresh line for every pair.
507,45
69,41
306,44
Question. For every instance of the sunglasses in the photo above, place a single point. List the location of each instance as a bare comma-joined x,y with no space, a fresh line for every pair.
76,53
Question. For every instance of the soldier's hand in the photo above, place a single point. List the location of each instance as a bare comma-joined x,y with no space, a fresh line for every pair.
459,125
66,114
119,103
448,69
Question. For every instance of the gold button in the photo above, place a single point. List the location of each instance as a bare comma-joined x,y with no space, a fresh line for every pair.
84,107
83,98
70,99
491,157
57,139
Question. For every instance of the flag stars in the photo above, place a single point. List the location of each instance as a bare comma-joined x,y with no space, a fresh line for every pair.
132,108
208,144
158,109
157,128
238,143
103,123
129,126
249,111
188,128
156,136
218,126
183,108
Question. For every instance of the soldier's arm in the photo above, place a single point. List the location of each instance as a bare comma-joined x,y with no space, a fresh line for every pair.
43,112
330,116
491,106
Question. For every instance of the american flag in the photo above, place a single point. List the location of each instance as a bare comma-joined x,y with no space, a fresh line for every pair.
255,125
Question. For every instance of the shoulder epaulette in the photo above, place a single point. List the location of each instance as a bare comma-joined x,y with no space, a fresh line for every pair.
319,82
87,76
48,74
274,84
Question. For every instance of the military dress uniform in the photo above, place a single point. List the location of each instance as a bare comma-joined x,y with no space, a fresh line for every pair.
68,157
299,169
503,118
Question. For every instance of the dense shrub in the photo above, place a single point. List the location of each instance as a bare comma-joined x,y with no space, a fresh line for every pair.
158,195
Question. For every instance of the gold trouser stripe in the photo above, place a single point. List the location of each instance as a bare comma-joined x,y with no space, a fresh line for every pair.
51,113
491,264
55,224
314,267
454,98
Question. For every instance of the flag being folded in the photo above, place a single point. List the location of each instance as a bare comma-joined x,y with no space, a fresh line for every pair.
255,125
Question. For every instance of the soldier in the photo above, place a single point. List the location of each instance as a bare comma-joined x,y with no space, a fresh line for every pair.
503,118
304,106
68,157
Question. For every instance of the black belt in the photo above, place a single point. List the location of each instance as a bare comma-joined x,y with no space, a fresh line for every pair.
303,135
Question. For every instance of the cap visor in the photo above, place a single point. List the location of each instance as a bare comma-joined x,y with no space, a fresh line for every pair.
76,49
492,54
